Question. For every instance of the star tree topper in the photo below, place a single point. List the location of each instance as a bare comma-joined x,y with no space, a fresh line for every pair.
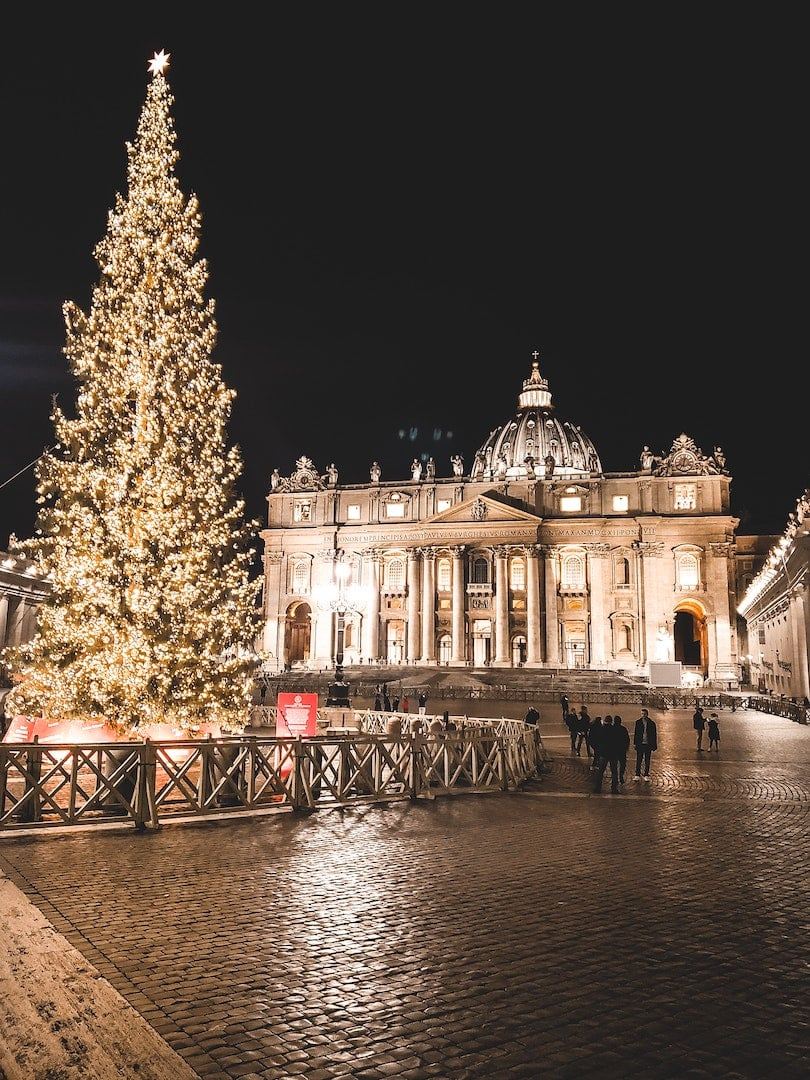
158,63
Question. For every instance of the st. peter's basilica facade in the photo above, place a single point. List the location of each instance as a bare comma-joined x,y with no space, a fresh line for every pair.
534,557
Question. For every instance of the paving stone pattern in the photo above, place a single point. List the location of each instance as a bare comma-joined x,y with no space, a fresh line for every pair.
658,934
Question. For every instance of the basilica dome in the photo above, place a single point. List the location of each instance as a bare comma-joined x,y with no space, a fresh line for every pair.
526,445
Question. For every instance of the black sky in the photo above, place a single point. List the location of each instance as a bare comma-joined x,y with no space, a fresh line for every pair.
400,204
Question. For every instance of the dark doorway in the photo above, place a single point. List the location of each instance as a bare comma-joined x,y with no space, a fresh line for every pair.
297,633
688,639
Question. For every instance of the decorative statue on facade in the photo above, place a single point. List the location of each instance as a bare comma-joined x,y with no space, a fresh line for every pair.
501,467
478,465
720,458
687,459
593,461
457,463
479,510
550,464
416,469
488,461
576,454
305,477
275,480
647,458
375,472
332,475
430,469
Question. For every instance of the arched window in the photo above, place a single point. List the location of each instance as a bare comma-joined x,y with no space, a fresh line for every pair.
300,578
517,574
395,575
622,570
480,573
445,648
573,571
688,569
444,575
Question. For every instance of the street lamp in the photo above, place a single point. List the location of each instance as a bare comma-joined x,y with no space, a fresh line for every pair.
342,599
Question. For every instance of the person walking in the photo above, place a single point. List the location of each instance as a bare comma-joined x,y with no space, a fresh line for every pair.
583,711
622,737
645,740
406,703
714,733
377,698
609,756
395,705
386,699
572,723
422,699
699,724
595,729
564,703
583,727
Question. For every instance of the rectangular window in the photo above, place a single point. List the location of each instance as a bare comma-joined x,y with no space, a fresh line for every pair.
570,504
353,512
302,510
443,504
762,635
620,503
685,496
395,509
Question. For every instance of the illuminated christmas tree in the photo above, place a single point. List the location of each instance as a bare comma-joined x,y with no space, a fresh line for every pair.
140,529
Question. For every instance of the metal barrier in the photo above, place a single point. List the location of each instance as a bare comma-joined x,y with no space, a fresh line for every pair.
47,784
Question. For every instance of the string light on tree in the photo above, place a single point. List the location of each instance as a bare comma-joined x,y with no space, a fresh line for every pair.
153,608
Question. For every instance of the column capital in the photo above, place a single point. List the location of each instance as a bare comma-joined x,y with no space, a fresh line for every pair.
414,553
326,556
458,550
428,553
650,549
273,557
722,549
373,554
597,551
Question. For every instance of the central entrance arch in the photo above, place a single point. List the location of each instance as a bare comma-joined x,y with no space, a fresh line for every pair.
297,633
691,635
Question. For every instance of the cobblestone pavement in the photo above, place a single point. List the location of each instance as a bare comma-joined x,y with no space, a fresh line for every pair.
659,934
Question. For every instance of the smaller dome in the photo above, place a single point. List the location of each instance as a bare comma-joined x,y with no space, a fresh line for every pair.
536,443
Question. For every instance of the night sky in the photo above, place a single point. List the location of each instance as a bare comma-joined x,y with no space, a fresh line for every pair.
401,203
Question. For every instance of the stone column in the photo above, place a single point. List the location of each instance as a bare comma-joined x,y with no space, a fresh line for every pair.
502,657
597,554
798,623
428,606
414,586
533,647
459,652
650,614
717,576
324,620
17,612
371,616
3,619
552,566
273,615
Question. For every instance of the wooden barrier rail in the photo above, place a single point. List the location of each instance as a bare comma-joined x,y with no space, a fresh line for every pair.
61,784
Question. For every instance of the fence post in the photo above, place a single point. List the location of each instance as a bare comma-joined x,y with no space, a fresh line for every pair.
3,777
32,810
145,805
205,782
251,770
413,768
297,787
502,764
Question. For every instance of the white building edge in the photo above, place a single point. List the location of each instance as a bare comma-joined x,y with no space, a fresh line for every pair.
536,557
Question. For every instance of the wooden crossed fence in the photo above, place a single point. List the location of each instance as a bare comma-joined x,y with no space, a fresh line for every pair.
61,784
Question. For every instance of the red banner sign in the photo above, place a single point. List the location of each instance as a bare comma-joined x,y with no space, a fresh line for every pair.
297,714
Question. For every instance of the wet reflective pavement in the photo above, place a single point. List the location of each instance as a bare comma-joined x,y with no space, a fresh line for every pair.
553,932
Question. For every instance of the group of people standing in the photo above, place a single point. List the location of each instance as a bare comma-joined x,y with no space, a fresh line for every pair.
700,724
607,743
383,702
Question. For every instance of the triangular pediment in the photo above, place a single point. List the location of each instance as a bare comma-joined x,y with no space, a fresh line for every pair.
483,509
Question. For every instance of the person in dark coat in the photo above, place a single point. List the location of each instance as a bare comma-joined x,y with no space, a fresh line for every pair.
422,699
714,733
699,724
572,723
622,737
583,727
645,740
595,730
609,755
532,717
386,699
564,706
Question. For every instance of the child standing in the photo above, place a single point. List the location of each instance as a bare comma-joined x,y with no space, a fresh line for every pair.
714,733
